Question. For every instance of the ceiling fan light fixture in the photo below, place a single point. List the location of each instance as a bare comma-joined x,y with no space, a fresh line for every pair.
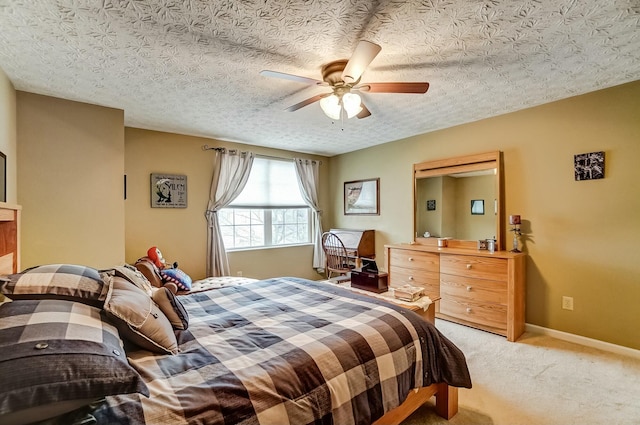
362,56
352,104
343,76
331,106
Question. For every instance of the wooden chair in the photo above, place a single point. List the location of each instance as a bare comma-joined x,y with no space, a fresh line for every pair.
337,260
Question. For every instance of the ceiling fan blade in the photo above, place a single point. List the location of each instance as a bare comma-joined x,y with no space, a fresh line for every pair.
394,87
362,56
291,77
364,113
307,102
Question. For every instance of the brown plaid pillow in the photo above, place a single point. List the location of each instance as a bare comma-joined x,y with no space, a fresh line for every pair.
138,317
171,306
56,281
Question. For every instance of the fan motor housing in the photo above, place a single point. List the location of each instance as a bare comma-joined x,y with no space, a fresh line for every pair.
332,73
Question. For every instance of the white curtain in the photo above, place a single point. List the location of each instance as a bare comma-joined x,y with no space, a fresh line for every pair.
308,172
230,174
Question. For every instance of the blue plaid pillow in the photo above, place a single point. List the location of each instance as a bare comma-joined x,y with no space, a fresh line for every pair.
56,281
57,356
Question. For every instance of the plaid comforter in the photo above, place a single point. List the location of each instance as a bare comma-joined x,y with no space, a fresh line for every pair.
288,351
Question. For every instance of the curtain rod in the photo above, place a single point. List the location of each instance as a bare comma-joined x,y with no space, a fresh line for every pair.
219,148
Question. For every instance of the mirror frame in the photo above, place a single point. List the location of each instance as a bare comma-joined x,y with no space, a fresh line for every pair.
463,164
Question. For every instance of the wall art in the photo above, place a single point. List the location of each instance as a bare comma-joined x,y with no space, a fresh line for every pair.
362,197
168,190
589,166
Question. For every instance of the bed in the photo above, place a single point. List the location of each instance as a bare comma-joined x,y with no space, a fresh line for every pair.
275,351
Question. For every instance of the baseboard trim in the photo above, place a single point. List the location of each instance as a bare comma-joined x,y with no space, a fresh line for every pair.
583,340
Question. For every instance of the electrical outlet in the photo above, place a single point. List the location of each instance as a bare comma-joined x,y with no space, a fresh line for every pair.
239,273
567,303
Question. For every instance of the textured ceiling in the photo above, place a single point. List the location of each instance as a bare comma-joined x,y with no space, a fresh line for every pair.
192,67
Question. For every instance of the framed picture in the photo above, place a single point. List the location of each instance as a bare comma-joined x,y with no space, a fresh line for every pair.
168,191
477,207
362,197
588,166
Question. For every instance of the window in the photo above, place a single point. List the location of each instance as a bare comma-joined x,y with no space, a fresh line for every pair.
270,210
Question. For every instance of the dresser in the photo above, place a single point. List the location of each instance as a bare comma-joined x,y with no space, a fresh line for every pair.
476,288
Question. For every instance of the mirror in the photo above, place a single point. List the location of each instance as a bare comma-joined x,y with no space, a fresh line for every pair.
459,199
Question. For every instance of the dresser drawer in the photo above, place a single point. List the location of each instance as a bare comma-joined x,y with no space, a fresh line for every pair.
474,266
401,276
474,311
468,288
415,260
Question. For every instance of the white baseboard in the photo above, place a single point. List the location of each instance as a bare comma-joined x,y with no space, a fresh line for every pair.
583,340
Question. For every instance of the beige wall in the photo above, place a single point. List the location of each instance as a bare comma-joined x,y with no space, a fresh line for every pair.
70,181
580,236
181,233
8,134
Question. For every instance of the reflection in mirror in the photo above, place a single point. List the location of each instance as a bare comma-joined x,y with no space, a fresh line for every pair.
445,191
477,207
453,194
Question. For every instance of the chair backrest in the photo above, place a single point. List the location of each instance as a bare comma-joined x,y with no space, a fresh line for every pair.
336,253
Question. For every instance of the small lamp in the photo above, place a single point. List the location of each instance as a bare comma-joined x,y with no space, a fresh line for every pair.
515,221
351,103
331,106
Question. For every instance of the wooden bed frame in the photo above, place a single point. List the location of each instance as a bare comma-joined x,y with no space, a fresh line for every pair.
446,396
446,404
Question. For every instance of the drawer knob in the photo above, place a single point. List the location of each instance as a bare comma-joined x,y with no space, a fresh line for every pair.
469,288
410,258
468,266
468,310
410,277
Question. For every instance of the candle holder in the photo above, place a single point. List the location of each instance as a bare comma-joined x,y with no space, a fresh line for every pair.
514,220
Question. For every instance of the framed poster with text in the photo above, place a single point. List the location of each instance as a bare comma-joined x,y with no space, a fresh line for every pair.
168,190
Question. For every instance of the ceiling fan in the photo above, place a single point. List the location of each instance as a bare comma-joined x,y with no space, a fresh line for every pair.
343,76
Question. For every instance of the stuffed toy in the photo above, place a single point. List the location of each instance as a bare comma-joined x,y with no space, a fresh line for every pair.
155,255
170,275
178,277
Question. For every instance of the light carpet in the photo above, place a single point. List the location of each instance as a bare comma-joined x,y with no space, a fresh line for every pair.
539,380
